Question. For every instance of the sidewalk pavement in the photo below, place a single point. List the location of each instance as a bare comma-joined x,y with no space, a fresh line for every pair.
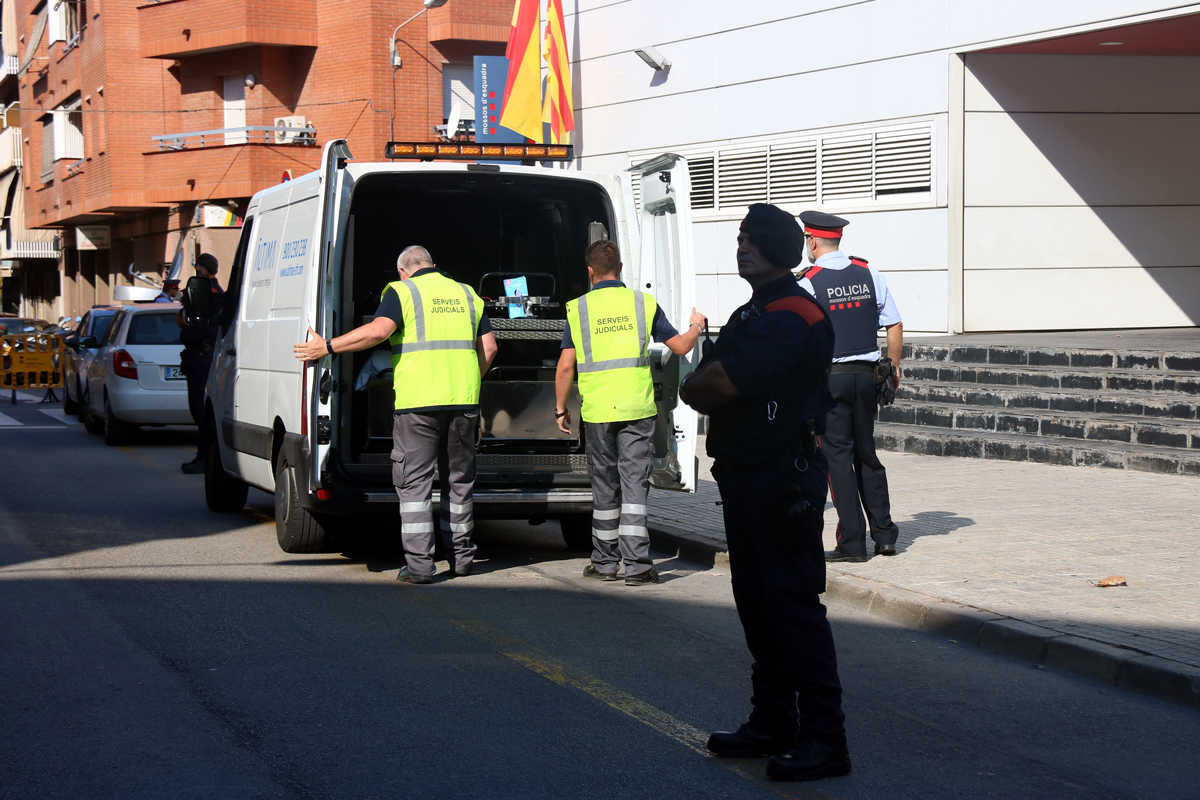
1007,554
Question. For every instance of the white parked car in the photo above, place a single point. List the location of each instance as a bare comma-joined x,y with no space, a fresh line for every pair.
82,346
135,378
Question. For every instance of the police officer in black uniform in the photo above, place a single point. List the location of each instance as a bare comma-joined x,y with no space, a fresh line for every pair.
765,387
857,300
199,336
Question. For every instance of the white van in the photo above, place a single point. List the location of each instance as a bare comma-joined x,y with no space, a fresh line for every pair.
318,250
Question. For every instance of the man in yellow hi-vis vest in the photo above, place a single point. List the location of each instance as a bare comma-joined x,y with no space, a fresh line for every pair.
608,336
442,344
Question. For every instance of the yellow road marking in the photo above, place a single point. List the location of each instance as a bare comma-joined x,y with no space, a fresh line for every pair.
655,718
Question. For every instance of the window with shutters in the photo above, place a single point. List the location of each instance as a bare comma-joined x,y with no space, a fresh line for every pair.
47,173
74,19
855,167
68,129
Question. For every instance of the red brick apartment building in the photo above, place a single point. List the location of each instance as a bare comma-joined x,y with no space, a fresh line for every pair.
145,123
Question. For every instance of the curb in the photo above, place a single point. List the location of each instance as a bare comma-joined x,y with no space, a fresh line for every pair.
1123,667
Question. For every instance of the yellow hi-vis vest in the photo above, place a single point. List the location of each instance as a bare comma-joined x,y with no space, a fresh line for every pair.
610,328
434,363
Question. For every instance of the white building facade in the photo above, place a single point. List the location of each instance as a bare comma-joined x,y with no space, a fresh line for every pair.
1009,166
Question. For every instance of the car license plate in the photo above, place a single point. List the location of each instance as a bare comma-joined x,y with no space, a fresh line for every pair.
172,374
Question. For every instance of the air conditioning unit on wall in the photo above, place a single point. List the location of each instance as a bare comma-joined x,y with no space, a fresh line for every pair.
285,136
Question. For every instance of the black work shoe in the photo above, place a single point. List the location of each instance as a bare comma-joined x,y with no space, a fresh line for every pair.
642,578
885,549
590,571
809,761
839,555
193,467
407,577
747,742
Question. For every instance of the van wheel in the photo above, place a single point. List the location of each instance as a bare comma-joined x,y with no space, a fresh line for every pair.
297,530
577,532
222,491
116,432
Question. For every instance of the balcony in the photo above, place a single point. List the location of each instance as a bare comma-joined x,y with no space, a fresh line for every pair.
10,148
181,28
469,22
9,67
226,162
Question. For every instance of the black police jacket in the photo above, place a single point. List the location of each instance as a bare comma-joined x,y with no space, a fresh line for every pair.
776,350
200,334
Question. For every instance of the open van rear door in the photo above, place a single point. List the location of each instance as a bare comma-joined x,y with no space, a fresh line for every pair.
665,268
322,401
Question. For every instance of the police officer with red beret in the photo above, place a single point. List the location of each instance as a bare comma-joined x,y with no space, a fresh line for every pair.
765,388
857,300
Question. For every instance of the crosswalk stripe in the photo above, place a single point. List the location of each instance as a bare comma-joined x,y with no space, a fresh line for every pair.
60,415
8,422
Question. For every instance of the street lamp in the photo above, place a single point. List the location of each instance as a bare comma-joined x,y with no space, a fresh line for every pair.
393,54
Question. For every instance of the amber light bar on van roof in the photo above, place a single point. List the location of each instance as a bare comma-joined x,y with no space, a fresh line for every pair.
469,151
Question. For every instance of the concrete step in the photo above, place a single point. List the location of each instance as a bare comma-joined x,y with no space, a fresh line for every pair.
1170,405
1016,355
1183,434
1043,449
1073,378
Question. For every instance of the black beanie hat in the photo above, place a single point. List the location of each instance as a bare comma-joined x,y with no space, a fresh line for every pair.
776,234
208,261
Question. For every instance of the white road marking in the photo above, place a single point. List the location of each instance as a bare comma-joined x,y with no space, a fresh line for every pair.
60,415
8,422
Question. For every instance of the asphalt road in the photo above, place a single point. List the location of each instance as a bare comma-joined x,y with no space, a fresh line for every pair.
149,648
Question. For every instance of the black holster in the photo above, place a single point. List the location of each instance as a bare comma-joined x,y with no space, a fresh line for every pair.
885,385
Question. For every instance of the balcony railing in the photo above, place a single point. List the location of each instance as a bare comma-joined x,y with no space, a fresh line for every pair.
9,65
25,248
249,134
10,148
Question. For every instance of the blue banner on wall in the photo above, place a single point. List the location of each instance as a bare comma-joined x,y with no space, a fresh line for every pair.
490,74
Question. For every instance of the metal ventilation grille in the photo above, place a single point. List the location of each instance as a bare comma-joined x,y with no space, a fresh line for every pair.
792,173
742,178
903,162
868,165
636,180
703,188
846,168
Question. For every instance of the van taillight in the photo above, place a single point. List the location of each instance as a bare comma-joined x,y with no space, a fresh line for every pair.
124,366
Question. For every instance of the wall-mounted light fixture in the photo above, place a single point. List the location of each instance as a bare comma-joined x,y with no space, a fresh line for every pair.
250,81
654,59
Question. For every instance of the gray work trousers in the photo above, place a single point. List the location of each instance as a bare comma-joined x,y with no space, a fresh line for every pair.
419,441
620,455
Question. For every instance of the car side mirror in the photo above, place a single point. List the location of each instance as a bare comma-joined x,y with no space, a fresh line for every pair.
198,297
88,343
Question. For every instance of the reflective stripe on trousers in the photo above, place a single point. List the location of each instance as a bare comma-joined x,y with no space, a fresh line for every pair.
620,456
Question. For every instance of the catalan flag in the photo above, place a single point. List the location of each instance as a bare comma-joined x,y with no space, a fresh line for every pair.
556,108
523,89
